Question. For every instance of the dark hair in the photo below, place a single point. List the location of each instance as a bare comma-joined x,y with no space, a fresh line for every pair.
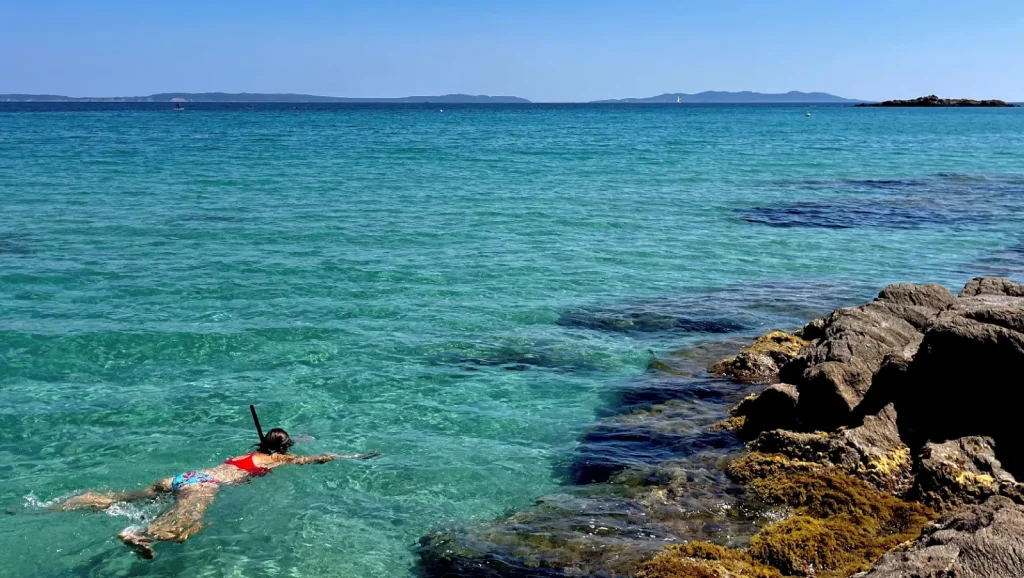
276,441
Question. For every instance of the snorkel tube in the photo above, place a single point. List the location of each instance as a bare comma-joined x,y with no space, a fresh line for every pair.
256,420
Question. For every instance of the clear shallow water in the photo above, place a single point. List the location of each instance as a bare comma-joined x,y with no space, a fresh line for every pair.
398,278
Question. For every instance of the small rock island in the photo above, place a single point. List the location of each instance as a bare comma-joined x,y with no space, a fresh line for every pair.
934,101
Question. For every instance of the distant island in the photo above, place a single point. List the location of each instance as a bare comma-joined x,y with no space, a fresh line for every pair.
708,97
251,97
745,97
933,101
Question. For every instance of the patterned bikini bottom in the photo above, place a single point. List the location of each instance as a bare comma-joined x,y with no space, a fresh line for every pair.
191,479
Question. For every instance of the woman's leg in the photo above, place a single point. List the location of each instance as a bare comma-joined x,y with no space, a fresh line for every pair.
102,501
177,523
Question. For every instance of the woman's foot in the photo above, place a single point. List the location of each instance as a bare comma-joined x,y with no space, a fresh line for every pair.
136,540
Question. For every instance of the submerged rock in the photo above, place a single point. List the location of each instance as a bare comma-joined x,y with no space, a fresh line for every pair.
640,321
600,529
760,362
981,541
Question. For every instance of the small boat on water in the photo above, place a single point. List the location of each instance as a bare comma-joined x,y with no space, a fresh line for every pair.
178,107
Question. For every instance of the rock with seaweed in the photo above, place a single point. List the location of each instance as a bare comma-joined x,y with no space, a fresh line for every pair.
839,525
958,472
981,541
871,451
760,362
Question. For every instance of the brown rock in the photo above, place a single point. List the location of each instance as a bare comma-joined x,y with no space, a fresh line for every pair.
872,451
760,362
992,286
957,472
982,541
967,378
834,374
773,408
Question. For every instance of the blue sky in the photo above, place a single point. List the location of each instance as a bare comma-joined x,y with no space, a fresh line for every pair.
544,51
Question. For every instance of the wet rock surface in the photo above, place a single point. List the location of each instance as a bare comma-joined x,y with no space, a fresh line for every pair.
775,408
981,541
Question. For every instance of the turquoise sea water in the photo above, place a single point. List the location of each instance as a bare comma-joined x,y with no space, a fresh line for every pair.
410,280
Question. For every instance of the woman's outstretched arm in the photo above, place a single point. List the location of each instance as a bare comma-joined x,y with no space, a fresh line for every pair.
324,458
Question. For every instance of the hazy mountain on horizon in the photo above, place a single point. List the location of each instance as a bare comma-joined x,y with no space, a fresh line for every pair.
707,97
744,97
254,97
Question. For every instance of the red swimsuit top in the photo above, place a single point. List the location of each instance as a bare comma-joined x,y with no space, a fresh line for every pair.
245,463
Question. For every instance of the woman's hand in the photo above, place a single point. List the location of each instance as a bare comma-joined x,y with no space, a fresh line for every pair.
372,454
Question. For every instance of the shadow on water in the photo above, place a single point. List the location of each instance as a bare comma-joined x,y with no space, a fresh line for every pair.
14,245
647,318
734,309
1008,262
514,357
944,200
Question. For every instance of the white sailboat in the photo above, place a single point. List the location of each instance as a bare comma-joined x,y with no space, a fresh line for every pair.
679,100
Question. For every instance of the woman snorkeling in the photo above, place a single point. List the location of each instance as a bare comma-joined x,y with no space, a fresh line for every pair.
194,491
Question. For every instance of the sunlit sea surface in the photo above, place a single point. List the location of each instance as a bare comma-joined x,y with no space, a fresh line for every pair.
446,287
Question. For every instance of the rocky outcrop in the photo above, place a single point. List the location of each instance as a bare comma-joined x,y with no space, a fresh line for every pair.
982,541
933,101
968,376
872,451
957,472
992,286
760,362
833,375
886,413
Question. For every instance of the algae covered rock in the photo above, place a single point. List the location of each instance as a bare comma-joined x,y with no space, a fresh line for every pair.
957,472
871,451
760,363
705,560
981,541
841,525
